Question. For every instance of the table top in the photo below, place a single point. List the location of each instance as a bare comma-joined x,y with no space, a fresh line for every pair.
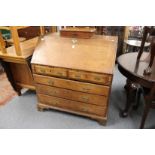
136,43
96,54
130,64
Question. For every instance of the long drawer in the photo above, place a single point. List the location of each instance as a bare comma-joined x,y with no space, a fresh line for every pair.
90,77
53,71
72,85
72,105
72,95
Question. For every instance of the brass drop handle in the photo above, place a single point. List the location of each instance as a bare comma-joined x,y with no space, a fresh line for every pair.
78,76
97,78
54,92
55,103
85,98
86,89
85,109
59,73
42,70
50,82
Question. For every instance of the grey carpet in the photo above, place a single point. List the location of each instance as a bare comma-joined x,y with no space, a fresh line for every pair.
21,112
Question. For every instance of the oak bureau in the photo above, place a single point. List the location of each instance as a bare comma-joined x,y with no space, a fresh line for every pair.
75,75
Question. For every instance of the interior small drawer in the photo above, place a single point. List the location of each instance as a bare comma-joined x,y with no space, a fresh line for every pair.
53,71
90,77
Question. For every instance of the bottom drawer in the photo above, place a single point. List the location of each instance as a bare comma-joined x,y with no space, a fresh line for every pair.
72,105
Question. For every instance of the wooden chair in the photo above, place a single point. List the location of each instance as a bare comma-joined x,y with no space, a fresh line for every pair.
148,93
151,31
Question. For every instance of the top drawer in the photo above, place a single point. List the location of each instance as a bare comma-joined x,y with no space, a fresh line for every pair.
90,77
45,70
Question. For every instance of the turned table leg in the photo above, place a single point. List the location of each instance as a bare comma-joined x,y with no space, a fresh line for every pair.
130,96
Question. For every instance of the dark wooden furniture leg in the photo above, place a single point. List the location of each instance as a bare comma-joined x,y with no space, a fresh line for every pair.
152,52
148,70
146,31
130,94
148,104
146,111
139,92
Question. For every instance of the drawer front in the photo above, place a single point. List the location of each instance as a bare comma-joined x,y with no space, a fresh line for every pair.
73,85
45,70
72,105
90,77
72,95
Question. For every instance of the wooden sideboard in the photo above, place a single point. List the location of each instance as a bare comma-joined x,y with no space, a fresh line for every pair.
75,75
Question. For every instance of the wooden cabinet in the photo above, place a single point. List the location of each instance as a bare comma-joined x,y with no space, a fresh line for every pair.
75,78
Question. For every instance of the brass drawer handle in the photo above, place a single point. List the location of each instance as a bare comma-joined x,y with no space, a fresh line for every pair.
59,73
78,76
42,71
55,102
85,109
85,89
97,78
54,92
50,82
85,98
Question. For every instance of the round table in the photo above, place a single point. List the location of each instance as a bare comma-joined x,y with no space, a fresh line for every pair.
133,70
135,44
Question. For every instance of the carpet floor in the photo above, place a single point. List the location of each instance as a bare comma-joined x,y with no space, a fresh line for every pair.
6,91
21,112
